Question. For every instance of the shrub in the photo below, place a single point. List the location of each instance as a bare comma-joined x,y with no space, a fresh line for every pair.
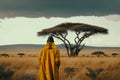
6,74
21,54
93,74
70,71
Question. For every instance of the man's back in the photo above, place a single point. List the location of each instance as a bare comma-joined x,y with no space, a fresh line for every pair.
49,62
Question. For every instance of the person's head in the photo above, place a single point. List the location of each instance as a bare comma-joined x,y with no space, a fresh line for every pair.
50,39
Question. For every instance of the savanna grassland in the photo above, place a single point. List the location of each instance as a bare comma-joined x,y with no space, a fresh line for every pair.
83,67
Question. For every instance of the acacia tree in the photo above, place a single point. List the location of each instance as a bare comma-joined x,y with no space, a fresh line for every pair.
21,54
81,30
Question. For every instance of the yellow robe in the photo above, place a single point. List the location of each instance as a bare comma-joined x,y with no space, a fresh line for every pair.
49,59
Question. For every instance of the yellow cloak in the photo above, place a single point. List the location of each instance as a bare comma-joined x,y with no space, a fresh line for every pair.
49,59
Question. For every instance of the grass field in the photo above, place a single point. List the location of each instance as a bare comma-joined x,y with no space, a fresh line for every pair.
83,67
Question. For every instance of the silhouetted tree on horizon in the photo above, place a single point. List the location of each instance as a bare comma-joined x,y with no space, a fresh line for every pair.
81,30
21,54
4,54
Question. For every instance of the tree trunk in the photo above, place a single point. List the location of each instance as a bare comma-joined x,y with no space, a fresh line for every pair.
74,51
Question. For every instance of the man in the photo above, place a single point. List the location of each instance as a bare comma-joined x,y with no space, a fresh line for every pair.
49,59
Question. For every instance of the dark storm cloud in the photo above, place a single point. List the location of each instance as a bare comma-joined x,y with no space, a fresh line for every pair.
60,8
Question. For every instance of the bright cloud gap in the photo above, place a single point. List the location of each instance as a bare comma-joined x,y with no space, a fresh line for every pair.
23,30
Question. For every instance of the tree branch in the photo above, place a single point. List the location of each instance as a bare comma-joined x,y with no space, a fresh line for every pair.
65,44
66,40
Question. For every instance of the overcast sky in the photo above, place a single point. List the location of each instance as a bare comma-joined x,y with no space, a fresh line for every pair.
20,20
59,8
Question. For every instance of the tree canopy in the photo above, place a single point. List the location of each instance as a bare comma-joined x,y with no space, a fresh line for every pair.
78,27
61,31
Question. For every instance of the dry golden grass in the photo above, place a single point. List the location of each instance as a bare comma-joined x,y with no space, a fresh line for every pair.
26,68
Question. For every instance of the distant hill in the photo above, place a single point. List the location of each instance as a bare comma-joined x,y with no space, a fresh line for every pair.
21,46
91,47
36,46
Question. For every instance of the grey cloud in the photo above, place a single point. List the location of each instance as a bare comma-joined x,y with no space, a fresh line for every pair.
59,8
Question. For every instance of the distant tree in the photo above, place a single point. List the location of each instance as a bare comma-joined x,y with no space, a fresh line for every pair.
81,30
98,53
114,54
4,54
21,54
